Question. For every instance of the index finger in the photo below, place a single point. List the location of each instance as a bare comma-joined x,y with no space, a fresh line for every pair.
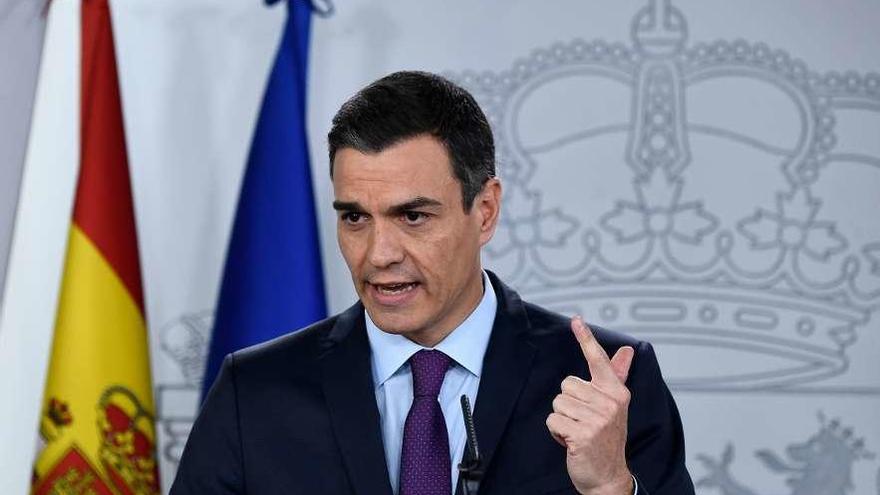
597,361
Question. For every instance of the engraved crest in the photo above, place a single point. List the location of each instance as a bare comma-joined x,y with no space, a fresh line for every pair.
677,213
821,465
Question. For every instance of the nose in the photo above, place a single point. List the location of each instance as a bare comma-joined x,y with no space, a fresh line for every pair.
384,247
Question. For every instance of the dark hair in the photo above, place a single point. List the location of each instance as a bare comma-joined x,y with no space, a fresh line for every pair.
407,104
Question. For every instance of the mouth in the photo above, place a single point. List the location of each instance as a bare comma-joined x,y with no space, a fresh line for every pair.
393,293
395,288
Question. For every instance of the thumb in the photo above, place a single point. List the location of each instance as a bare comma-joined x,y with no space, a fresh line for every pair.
621,361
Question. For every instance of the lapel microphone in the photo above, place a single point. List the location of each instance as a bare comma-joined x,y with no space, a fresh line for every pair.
471,467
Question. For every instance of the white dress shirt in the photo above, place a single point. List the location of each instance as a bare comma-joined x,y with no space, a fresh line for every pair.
392,378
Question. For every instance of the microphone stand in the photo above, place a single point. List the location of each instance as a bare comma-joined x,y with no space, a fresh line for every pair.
471,467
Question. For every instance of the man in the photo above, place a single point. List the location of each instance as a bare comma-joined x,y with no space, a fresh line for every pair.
367,401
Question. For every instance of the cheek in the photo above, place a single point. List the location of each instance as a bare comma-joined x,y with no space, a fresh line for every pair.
445,258
428,256
351,250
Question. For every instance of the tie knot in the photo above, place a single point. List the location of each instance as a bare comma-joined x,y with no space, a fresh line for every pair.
428,370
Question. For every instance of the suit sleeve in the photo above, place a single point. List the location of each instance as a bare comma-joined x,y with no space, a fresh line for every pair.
655,443
212,459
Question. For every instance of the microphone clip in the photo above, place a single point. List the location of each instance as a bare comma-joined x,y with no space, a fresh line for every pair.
471,467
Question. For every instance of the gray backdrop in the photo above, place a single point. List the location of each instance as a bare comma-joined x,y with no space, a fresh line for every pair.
21,40
701,174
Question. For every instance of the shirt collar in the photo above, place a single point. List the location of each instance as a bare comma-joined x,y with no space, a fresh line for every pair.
466,345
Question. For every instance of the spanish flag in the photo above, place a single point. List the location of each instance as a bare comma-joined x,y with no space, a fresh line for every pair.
97,420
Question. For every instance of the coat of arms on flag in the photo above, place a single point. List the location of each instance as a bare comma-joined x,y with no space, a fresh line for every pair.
98,422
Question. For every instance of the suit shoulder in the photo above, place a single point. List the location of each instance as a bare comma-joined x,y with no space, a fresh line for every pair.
298,349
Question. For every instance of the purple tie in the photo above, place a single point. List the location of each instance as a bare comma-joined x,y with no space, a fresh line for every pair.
425,467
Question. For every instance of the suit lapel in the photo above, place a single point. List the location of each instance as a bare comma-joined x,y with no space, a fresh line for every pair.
506,367
351,402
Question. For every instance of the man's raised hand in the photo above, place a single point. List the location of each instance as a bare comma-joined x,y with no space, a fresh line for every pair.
589,419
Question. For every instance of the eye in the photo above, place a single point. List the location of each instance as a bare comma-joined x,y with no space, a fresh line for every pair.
352,217
415,217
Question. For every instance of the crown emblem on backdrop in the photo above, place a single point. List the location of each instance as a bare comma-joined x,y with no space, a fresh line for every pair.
709,196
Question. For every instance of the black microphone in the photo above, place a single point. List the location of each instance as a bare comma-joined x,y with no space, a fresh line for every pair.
471,467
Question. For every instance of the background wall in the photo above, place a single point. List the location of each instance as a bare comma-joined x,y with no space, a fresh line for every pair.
702,174
21,40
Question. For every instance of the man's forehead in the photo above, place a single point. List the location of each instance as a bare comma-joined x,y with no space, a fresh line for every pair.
394,208
414,168
421,154
383,196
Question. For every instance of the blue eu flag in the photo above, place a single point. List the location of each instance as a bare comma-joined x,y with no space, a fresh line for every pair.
273,282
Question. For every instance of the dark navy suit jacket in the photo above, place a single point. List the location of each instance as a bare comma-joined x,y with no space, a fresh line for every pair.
298,415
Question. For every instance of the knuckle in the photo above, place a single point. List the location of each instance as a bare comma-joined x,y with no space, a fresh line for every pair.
570,384
621,396
616,401
606,412
553,423
587,433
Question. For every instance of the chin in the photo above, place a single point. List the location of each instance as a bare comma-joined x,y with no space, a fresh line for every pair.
395,324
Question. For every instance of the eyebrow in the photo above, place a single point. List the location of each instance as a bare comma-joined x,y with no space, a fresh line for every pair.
347,206
415,203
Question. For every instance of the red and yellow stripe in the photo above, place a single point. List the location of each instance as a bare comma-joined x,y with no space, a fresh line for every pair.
97,421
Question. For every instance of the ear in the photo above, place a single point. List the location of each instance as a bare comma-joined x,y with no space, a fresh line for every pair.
488,208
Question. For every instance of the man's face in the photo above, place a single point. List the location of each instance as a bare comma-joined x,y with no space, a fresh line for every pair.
413,252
